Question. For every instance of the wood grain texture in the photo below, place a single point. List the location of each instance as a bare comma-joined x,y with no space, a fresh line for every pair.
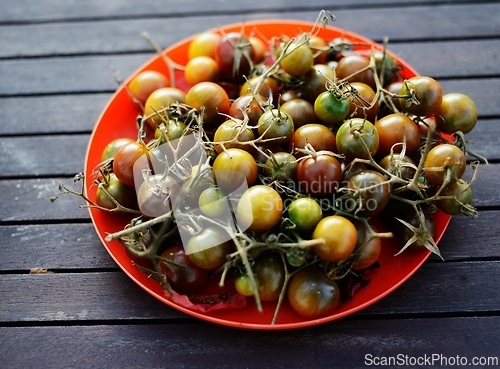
29,200
51,114
48,10
452,288
47,246
124,35
43,155
338,344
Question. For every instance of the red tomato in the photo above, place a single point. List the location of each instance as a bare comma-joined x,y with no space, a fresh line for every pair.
319,175
234,56
211,98
392,130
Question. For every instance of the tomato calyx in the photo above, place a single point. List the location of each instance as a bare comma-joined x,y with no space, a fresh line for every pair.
421,235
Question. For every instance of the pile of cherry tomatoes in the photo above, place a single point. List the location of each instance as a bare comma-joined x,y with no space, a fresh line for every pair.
333,148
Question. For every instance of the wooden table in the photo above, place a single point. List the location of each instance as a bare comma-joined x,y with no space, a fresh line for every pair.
56,71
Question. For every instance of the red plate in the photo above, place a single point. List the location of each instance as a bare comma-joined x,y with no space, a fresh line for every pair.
119,120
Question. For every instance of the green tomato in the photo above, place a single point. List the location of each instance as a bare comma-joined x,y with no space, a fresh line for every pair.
209,248
305,213
331,110
243,284
357,138
212,202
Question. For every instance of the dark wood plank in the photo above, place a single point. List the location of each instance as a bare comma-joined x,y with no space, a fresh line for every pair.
451,59
78,113
28,200
484,139
449,21
452,288
52,246
51,114
78,296
43,155
94,74
67,75
345,343
47,10
481,235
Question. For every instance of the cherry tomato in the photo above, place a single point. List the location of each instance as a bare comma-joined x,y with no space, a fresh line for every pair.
319,175
428,93
233,168
315,81
362,99
319,48
182,274
157,195
144,83
201,69
209,248
458,112
331,109
305,213
259,49
126,157
393,90
112,147
234,56
460,194
276,124
281,166
368,248
339,235
301,111
270,273
317,135
290,94
170,131
353,66
204,44
372,190
249,104
311,294
111,188
299,59
392,130
232,134
387,67
213,203
403,167
443,159
269,88
160,99
210,97
357,138
243,284
259,209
